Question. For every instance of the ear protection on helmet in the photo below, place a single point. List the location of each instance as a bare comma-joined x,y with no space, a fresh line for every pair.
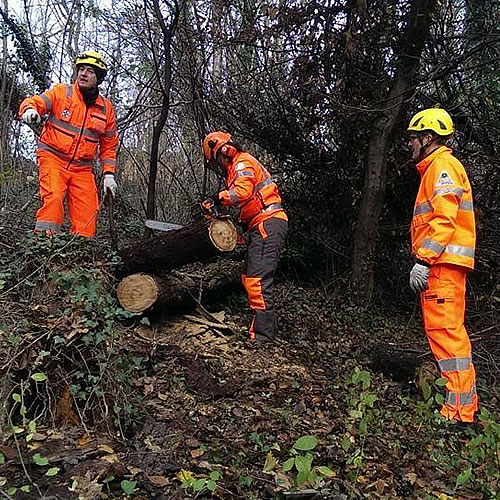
228,150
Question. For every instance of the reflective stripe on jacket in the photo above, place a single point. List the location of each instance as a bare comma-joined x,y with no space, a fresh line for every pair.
250,187
443,227
73,131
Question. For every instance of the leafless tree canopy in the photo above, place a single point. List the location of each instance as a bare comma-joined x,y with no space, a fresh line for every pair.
320,91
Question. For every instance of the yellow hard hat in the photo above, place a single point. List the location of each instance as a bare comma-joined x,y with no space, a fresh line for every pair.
213,142
436,119
92,58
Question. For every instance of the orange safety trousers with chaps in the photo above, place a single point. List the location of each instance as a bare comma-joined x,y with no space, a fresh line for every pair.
263,253
77,186
443,308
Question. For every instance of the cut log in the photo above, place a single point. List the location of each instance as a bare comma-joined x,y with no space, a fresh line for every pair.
140,292
199,241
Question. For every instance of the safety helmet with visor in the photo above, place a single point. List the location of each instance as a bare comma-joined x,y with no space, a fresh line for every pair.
212,143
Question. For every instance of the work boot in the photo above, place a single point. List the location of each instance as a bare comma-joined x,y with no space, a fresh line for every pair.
260,341
463,429
262,338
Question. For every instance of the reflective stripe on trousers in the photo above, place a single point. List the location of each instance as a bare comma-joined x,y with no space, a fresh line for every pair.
263,255
443,308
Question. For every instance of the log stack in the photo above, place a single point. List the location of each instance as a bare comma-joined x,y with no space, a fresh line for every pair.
150,280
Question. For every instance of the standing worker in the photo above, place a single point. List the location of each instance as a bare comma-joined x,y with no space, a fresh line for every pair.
443,238
80,127
251,188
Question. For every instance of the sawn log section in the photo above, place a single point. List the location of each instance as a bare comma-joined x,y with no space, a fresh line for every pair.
140,292
198,241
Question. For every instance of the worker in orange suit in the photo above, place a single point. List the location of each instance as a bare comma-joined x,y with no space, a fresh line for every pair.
80,127
443,239
251,188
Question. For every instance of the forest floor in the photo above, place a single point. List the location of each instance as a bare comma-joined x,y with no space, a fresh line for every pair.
97,403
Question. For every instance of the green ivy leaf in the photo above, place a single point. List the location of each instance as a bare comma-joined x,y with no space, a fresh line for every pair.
270,463
39,460
302,463
362,377
199,484
215,475
52,471
211,485
16,397
441,382
39,377
325,471
2,458
463,477
426,390
346,443
288,464
306,443
128,487
369,399
26,488
303,476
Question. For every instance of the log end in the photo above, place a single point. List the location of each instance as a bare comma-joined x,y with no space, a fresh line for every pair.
137,292
223,234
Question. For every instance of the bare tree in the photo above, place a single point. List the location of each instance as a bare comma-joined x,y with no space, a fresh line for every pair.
163,72
417,31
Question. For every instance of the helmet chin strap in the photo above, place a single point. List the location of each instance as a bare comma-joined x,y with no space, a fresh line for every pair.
422,152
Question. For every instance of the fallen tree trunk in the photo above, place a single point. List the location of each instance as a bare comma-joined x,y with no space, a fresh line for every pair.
199,241
140,292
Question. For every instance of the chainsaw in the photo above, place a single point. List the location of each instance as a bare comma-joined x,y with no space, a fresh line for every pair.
170,226
162,226
208,213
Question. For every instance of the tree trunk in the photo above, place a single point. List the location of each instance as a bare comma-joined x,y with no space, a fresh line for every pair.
372,201
140,292
197,242
165,82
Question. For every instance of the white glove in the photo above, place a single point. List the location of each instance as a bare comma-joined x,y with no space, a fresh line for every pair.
110,184
419,277
31,116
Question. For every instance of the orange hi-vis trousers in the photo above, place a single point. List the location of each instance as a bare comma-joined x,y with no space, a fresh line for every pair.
80,191
443,308
263,253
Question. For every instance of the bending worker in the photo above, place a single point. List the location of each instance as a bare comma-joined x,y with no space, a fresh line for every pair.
443,238
80,127
251,188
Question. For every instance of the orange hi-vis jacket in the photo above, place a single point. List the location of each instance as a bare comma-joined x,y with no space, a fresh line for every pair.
251,188
443,228
74,132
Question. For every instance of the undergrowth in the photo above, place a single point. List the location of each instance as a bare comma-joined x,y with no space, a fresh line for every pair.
65,363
